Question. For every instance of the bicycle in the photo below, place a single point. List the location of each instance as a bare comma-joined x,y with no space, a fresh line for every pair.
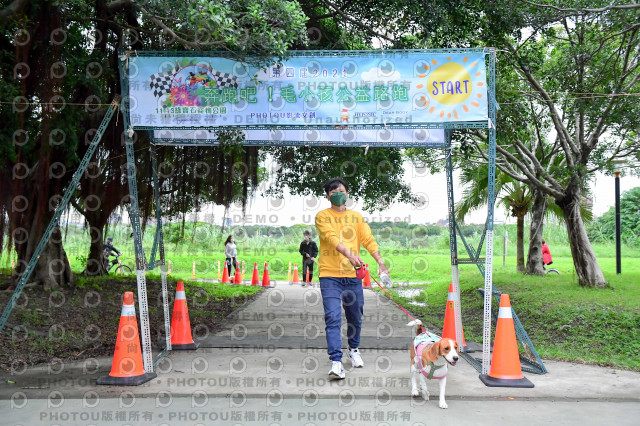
123,268
550,271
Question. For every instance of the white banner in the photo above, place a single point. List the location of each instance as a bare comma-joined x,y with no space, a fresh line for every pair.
346,137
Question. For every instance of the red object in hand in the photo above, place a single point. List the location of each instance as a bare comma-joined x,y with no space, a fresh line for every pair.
360,273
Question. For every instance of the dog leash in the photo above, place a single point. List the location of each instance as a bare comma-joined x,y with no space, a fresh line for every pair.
424,330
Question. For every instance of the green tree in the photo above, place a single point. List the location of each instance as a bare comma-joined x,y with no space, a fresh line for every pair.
510,194
576,68
376,177
604,228
59,65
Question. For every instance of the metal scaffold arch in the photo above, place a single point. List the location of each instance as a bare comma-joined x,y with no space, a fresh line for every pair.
377,98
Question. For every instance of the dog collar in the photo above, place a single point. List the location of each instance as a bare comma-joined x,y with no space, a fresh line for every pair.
433,365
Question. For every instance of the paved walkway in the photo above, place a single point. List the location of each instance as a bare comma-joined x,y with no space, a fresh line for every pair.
269,365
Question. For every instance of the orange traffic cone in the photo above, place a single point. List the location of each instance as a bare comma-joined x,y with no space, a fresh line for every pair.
180,323
505,368
266,282
366,282
127,368
254,278
306,279
295,279
449,328
225,273
238,278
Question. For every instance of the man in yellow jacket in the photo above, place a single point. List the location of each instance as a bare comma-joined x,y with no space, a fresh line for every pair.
341,232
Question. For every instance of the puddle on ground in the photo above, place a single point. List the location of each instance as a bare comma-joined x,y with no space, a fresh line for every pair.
409,292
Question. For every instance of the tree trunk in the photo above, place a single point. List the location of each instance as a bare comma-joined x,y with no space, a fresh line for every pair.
95,260
97,217
584,259
520,243
538,210
52,269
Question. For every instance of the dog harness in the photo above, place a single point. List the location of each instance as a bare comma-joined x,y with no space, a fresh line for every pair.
423,342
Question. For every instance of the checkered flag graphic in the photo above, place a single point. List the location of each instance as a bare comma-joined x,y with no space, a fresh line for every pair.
224,79
161,83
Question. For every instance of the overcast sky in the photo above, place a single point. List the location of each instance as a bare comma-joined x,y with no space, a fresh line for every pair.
296,209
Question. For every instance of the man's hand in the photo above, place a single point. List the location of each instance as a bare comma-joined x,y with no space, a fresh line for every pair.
306,254
382,268
313,259
356,261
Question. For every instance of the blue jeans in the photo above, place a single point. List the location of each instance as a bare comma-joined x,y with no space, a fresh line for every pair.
337,293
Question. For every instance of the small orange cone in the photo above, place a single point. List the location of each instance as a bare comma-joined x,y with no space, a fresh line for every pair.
225,273
306,279
266,282
238,278
254,279
180,324
295,279
449,328
366,282
127,368
505,368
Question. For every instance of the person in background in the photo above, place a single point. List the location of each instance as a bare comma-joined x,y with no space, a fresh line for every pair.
109,249
309,252
546,254
231,254
341,232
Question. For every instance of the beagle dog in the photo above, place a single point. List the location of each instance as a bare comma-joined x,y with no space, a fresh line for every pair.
430,355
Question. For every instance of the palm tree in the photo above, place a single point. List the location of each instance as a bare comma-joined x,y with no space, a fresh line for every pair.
518,199
513,195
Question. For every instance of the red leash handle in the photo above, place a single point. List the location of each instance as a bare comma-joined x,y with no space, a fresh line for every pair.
424,330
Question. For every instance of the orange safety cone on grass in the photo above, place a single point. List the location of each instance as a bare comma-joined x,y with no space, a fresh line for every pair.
296,278
505,368
449,328
366,282
238,278
180,324
306,279
254,278
266,282
127,368
225,273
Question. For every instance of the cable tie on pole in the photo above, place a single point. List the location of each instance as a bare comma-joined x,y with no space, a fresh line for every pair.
130,131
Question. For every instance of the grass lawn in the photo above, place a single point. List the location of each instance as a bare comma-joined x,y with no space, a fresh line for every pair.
95,305
563,320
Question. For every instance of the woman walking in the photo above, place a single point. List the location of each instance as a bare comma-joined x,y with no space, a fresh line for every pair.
231,253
